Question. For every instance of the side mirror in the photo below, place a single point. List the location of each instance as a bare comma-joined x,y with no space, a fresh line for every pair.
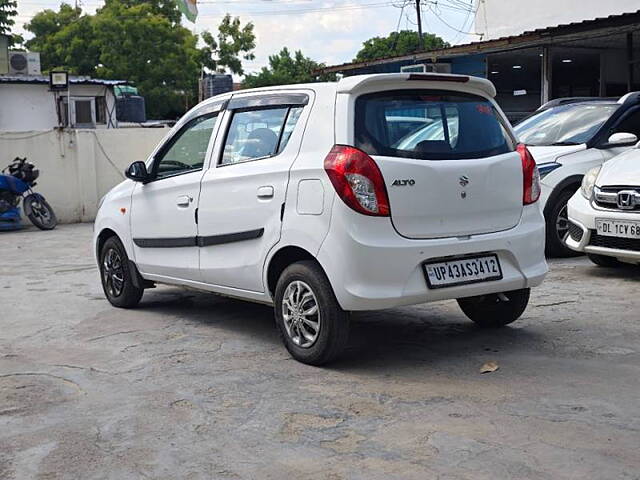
137,172
621,139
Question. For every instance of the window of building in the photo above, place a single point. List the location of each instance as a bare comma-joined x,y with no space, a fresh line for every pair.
101,110
86,112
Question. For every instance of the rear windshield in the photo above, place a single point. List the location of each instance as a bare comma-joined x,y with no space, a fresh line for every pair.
429,125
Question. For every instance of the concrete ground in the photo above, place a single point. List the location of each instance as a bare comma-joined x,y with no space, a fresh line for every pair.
194,386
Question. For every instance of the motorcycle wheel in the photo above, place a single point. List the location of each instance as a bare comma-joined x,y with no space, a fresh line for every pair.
40,212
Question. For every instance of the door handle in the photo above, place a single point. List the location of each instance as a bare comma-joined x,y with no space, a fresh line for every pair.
265,192
184,201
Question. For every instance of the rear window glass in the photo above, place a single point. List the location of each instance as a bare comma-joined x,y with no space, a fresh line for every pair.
430,125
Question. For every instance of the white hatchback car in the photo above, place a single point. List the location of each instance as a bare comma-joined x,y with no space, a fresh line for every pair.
297,196
604,215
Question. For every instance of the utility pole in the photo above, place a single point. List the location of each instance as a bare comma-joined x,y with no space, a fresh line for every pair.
419,15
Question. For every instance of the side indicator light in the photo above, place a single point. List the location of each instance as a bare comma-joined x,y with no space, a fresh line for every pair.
123,210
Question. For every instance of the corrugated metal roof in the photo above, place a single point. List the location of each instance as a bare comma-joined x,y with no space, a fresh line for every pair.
504,43
74,79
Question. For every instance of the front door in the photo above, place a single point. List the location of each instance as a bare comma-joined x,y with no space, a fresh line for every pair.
163,222
242,196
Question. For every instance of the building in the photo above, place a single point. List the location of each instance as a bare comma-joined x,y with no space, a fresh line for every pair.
500,18
27,103
591,57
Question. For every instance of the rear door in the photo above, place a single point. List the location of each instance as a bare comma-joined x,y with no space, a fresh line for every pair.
242,196
456,174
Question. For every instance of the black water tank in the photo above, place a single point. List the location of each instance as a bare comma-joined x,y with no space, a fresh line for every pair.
216,84
130,108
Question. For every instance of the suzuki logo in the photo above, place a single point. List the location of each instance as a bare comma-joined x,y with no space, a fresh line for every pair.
464,181
626,200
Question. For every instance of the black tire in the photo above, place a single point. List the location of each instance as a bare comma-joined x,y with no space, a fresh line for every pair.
114,262
39,212
557,227
497,309
604,261
333,323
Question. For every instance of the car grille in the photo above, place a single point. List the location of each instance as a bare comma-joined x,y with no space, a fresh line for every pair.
607,197
575,232
614,242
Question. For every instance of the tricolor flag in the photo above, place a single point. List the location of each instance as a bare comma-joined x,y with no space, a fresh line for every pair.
189,9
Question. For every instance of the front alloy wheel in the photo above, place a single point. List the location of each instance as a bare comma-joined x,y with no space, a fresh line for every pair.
112,273
116,275
557,222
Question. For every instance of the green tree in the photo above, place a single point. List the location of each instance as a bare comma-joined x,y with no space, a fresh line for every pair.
65,39
8,10
286,69
143,42
403,42
233,41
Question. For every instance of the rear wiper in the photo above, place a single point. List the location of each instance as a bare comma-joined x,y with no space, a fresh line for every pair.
559,144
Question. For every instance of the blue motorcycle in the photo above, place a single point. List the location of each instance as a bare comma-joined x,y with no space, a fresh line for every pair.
16,183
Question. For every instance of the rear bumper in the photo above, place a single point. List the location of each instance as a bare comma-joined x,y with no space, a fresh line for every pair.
371,267
583,215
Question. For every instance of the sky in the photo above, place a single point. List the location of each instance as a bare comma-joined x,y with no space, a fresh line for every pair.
329,31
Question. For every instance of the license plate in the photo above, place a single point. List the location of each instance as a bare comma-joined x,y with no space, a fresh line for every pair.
462,271
617,228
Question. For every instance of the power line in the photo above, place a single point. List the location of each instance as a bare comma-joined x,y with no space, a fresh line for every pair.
266,13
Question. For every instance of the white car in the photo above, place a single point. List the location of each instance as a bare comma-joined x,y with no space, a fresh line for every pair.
569,136
294,196
604,215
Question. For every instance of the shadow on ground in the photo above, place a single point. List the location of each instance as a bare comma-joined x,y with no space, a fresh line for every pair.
395,338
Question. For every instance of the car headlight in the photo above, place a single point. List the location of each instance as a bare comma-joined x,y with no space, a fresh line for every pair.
588,182
546,168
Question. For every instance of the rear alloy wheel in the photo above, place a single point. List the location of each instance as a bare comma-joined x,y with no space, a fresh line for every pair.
313,327
558,227
115,274
604,261
496,309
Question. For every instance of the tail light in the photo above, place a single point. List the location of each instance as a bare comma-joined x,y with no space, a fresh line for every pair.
357,180
531,176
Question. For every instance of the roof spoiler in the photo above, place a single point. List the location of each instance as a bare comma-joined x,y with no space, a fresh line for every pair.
357,82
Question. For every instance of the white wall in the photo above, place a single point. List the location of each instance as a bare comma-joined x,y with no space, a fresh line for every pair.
502,18
26,107
75,172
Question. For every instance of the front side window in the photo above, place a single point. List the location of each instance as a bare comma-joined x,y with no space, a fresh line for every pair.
629,124
429,125
571,124
188,149
255,134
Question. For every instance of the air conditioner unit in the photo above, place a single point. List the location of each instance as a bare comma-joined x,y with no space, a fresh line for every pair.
427,68
24,63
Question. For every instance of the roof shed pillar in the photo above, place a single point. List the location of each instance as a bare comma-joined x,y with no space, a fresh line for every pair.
545,77
630,62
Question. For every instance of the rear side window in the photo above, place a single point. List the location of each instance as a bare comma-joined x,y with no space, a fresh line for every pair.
260,133
429,125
